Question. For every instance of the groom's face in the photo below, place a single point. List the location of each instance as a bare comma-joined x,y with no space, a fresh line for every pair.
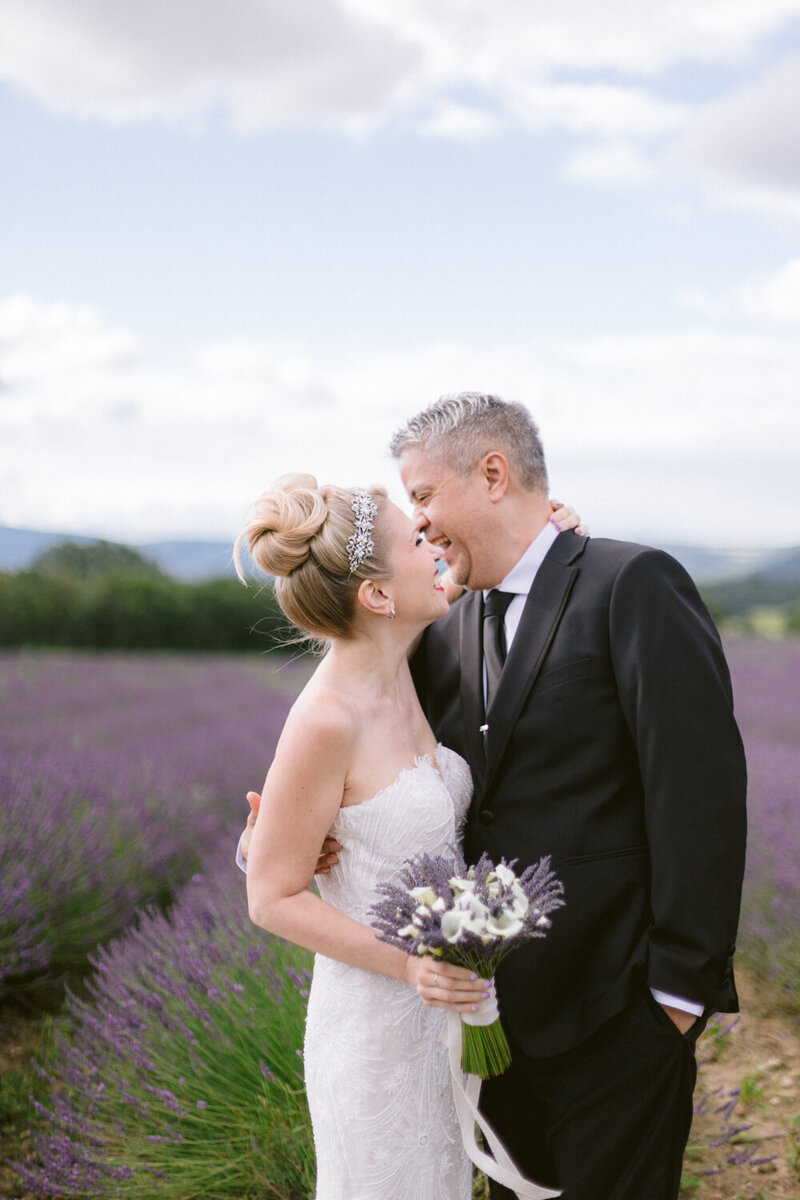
455,514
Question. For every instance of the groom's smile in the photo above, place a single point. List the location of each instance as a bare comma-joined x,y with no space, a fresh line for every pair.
452,512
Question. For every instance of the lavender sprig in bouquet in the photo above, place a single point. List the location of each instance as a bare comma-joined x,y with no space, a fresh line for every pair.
472,917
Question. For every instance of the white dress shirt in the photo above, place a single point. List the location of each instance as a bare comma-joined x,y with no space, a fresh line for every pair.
520,581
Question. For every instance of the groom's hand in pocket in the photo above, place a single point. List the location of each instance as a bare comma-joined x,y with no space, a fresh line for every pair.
328,855
683,1020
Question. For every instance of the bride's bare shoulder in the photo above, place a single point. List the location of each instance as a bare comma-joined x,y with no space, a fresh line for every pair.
322,718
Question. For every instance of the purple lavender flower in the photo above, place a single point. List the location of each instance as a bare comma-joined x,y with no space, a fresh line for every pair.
130,1096
118,774
766,685
470,915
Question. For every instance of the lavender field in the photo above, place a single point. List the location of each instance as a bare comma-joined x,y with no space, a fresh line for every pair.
123,781
766,681
120,776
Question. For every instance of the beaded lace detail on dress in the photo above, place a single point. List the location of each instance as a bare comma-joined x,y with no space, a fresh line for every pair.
377,1075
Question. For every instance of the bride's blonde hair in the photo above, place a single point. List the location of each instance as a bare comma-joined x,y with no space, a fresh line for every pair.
298,532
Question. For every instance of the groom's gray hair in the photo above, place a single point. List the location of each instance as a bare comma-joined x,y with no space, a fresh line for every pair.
460,428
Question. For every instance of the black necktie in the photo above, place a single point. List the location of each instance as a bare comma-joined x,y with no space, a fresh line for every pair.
494,638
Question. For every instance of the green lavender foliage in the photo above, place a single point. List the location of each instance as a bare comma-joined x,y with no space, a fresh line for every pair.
181,1073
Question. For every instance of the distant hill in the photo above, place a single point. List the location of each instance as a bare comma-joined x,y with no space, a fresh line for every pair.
189,561
193,561
717,566
19,547
784,566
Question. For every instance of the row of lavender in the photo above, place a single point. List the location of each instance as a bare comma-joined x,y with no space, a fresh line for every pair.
766,683
122,782
117,775
181,1072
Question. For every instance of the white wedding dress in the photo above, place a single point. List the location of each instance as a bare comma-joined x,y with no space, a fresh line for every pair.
377,1076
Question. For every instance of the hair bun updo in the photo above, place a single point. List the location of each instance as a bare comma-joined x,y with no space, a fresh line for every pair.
298,533
283,523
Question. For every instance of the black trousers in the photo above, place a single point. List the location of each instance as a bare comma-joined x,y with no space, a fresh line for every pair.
608,1119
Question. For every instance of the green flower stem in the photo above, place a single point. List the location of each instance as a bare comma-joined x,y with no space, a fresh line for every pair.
485,1050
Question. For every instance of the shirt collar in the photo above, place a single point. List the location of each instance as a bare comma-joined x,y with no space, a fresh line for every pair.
521,576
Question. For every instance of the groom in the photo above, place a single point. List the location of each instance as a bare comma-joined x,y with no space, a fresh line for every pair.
606,738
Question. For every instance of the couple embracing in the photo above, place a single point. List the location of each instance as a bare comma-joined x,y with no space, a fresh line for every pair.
575,701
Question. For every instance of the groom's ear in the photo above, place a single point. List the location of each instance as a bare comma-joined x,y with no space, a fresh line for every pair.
372,596
496,474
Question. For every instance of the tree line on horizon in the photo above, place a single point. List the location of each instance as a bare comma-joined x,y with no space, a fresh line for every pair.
104,595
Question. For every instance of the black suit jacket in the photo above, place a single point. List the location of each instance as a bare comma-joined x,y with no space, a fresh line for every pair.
612,746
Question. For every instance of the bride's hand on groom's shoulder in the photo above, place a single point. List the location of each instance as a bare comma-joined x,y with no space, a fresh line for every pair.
565,517
328,855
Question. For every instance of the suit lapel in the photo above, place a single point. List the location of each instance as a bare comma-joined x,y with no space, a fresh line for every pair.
540,619
471,672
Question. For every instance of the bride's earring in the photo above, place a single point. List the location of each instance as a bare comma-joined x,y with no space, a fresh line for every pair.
391,614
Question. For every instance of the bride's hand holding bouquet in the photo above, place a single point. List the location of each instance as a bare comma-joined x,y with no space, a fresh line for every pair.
443,912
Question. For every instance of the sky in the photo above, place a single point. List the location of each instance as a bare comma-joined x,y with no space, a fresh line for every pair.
250,238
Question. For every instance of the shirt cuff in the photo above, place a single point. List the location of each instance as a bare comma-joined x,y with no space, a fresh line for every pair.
689,1006
241,861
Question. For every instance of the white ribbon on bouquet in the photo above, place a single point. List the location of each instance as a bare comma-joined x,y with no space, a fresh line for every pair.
466,1093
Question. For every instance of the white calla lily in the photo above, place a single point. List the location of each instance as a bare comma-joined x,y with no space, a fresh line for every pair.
519,904
505,875
504,925
458,922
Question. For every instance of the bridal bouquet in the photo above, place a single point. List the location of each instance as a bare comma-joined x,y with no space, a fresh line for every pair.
473,917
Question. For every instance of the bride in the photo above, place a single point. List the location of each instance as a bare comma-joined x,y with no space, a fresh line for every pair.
358,761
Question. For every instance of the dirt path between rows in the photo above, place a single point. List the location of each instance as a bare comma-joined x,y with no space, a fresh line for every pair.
753,1074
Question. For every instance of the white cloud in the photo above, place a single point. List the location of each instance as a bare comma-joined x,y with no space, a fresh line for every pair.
67,359
492,40
746,142
269,65
782,206
353,64
771,297
599,74
460,122
606,109
610,163
668,436
670,392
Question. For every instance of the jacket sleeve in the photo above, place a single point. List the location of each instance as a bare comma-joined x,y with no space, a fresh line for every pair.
675,691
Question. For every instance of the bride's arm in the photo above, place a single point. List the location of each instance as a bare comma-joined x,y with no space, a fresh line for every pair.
301,797
328,855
